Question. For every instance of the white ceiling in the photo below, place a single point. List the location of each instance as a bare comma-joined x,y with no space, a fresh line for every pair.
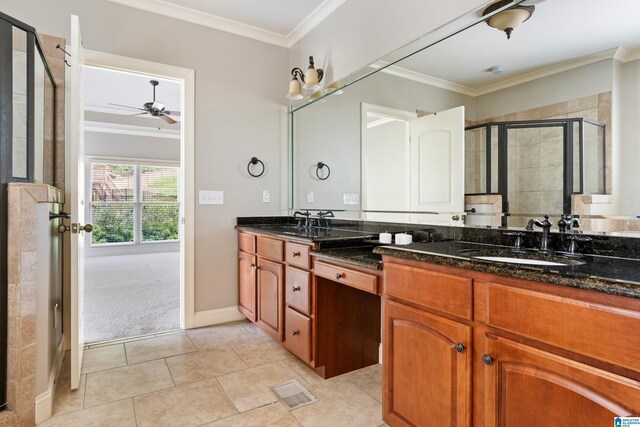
558,31
279,22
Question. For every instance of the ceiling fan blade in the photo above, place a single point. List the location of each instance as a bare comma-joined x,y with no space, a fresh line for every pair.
173,113
127,106
138,114
167,119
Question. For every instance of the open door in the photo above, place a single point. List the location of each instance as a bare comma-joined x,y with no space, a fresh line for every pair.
76,190
437,167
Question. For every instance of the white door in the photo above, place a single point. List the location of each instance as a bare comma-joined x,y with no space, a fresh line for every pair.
76,190
437,167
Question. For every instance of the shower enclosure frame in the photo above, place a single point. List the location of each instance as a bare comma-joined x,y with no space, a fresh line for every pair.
33,45
567,126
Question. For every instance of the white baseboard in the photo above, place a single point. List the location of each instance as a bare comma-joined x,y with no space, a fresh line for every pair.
217,316
44,402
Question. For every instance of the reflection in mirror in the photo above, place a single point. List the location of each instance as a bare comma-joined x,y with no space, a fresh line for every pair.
575,82
19,151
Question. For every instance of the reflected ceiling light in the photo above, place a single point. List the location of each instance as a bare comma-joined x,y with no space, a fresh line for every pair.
334,88
509,19
309,80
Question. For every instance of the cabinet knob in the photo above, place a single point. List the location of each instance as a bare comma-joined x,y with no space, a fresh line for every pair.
459,347
294,333
487,359
295,254
252,266
339,276
296,288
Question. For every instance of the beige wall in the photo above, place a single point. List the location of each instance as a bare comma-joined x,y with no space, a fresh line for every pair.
239,98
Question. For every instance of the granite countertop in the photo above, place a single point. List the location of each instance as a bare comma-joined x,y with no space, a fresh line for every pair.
616,276
361,256
313,235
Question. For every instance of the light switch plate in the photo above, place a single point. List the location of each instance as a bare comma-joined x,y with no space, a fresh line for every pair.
266,196
350,199
211,197
310,197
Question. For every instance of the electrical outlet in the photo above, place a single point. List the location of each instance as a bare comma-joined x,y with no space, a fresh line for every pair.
266,196
310,197
350,199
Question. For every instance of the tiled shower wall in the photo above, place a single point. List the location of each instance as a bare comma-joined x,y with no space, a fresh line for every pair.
535,155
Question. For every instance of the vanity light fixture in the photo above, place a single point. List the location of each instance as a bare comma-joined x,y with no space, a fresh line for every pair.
310,80
509,19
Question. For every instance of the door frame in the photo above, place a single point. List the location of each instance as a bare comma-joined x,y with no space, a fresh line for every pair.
186,77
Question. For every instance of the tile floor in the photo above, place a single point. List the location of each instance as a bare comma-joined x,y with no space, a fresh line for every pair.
214,376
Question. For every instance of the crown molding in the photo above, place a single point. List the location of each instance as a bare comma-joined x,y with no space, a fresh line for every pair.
618,53
404,73
319,14
161,7
548,71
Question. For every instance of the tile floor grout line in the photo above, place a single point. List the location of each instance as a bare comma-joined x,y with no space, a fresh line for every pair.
362,388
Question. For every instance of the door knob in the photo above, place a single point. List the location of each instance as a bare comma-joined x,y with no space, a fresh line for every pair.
87,227
63,228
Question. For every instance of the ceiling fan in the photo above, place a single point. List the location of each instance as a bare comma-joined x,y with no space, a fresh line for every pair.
154,108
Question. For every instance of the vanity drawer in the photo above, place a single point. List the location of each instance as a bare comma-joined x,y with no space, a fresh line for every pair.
297,290
595,330
347,276
442,292
298,255
247,242
270,248
298,334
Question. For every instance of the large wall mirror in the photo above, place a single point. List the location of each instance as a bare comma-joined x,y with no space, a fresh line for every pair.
548,124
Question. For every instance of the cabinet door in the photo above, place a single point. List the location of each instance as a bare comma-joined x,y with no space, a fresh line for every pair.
247,285
527,387
426,374
270,297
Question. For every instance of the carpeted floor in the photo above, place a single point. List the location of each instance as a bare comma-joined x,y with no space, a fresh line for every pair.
131,295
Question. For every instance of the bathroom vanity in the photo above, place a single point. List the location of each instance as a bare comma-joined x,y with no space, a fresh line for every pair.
519,348
326,311
465,341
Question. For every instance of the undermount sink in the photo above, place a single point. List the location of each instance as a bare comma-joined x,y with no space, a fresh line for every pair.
531,258
527,261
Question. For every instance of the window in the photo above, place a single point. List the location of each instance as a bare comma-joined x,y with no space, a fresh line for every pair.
134,203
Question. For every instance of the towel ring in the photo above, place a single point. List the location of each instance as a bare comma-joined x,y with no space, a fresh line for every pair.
320,166
255,161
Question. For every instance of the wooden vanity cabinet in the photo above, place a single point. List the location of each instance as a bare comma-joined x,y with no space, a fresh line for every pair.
299,314
534,354
247,279
426,369
274,289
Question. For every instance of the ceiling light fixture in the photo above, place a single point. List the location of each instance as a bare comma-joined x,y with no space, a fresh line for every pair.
508,20
310,80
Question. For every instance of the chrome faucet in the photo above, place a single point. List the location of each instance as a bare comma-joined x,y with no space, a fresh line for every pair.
567,222
324,215
546,233
303,218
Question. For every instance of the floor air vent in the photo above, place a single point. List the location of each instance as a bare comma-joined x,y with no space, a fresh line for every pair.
293,395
